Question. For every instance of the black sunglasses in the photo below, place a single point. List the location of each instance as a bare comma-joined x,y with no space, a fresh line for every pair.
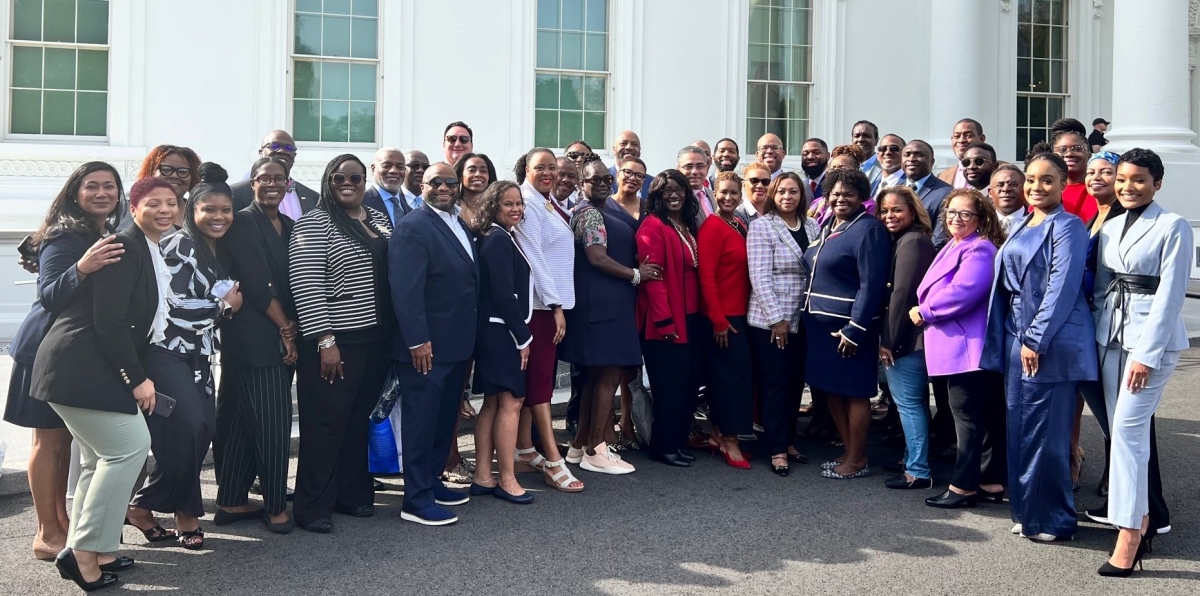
606,180
463,139
977,161
575,155
277,146
340,179
417,165
757,181
448,182
884,149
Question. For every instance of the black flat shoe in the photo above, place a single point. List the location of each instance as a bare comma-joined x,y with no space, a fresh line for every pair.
671,460
781,471
522,499
685,456
283,527
222,517
68,568
900,482
359,511
797,458
952,500
119,564
320,526
479,490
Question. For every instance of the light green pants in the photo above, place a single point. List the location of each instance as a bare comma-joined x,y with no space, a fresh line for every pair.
114,448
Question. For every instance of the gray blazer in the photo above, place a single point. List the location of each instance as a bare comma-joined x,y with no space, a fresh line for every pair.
1160,244
778,277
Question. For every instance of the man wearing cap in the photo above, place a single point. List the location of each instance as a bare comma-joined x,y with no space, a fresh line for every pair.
1096,139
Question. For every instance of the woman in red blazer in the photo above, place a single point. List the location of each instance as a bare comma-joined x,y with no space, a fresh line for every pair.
725,293
669,314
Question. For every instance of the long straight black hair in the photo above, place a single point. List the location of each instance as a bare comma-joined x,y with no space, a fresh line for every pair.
65,214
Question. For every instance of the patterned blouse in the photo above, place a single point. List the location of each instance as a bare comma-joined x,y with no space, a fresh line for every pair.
194,310
588,225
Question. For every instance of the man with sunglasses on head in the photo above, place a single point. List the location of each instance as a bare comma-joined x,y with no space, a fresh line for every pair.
298,199
457,141
435,283
416,162
629,146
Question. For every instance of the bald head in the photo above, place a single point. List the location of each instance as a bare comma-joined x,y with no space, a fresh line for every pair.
280,144
707,150
770,151
415,164
440,196
387,169
627,145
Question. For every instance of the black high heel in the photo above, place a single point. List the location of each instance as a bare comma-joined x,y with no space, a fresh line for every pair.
155,534
1110,570
68,568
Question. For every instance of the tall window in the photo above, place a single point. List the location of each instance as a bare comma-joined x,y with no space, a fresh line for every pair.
1041,69
335,67
780,71
572,73
59,68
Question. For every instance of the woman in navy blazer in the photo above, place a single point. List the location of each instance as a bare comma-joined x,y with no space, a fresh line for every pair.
502,343
1040,334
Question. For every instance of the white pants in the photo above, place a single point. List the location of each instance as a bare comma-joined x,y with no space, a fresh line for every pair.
1129,419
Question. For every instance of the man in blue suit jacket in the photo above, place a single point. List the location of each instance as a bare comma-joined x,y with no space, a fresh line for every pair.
434,277
917,161
387,174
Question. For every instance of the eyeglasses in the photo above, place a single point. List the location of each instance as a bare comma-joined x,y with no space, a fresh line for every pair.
340,179
1070,149
450,183
976,161
885,149
282,147
1006,184
632,175
759,182
461,139
771,147
673,192
965,216
168,171
417,165
599,180
271,181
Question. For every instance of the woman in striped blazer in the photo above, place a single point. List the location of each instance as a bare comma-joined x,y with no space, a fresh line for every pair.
338,273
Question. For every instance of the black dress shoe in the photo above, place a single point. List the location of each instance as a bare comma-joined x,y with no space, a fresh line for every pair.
952,500
359,511
119,564
68,568
320,526
902,483
671,460
685,455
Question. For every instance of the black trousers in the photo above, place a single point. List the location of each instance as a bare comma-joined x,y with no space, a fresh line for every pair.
1093,395
254,430
780,379
675,373
334,427
980,420
179,442
429,405
731,387
941,424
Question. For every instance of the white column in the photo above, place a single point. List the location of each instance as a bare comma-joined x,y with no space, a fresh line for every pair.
955,69
1150,95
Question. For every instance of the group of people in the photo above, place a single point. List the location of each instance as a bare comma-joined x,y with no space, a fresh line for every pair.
1016,293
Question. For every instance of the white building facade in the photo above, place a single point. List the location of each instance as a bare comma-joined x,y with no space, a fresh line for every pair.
108,80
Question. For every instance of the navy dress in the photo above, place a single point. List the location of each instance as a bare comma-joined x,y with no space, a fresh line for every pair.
602,328
505,309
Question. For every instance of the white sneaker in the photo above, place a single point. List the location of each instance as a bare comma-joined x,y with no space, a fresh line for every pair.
1044,537
574,456
1164,530
605,462
1016,529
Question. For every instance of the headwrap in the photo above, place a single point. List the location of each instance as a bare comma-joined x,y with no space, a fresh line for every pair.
1108,156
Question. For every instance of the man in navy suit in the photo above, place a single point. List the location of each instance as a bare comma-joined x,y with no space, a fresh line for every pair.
387,177
434,277
917,161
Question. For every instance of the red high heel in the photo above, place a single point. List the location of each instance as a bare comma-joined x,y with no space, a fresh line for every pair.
742,464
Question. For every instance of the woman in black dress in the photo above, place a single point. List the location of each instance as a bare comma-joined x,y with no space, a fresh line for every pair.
69,248
502,346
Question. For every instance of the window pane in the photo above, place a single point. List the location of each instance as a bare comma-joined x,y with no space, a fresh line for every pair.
91,114
570,127
546,94
60,69
1024,40
1041,11
594,52
1041,75
758,68
335,37
58,113
60,22
27,21
27,67
760,20
545,128
362,122
796,135
756,101
1037,112
308,35
593,94
1041,42
1058,15
93,70
800,64
572,51
547,16
800,28
1036,135
755,128
572,16
366,8
334,125
362,82
1056,42
597,15
593,128
1056,76
1022,143
363,37
337,7
26,112
307,83
306,120
1024,74
93,21
308,5
1022,111
779,67
1054,109
571,94
778,128
547,49
335,80
800,102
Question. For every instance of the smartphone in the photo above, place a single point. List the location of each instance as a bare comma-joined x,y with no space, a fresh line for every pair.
25,249
164,405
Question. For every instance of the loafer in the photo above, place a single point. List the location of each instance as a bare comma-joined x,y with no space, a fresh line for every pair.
523,499
223,517
433,515
444,496
319,526
952,500
479,490
119,564
900,482
283,527
359,511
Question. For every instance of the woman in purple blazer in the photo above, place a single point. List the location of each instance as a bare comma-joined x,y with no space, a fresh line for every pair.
953,307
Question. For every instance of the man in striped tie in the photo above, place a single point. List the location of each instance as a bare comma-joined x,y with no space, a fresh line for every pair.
692,162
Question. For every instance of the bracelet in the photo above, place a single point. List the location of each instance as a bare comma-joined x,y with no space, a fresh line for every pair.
328,342
637,277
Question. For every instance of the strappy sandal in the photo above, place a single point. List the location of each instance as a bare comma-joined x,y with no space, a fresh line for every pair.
188,539
155,534
563,478
536,464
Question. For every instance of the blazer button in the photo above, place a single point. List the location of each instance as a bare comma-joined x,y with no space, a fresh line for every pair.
889,284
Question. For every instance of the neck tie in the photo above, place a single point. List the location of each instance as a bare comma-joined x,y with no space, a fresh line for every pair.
912,185
397,210
705,208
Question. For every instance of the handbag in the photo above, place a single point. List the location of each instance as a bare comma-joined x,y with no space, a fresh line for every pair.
387,398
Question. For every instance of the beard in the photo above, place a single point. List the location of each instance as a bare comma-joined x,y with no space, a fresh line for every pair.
813,171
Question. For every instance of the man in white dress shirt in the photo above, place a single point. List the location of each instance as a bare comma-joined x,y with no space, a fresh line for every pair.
692,163
416,162
887,154
1007,191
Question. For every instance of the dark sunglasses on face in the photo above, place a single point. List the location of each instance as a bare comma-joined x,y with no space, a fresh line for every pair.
284,147
435,183
759,182
885,149
599,180
340,179
575,155
271,181
976,161
168,171
462,139
632,175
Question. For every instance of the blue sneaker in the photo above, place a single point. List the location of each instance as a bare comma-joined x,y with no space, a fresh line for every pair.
444,496
429,516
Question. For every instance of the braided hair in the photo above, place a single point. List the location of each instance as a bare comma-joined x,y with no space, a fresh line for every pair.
212,184
657,205
342,222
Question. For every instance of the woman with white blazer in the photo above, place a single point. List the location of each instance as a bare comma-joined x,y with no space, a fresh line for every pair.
1144,261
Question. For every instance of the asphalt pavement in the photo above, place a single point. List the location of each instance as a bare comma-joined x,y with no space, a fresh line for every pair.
705,530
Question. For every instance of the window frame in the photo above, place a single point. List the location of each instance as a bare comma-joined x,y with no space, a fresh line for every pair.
290,75
1047,96
808,85
6,71
609,10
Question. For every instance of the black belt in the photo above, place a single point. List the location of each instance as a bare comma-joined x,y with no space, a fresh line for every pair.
1124,285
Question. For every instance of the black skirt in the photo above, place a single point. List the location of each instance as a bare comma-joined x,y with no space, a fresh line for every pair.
22,409
497,362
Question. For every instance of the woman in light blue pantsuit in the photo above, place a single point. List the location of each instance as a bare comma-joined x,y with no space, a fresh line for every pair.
1143,265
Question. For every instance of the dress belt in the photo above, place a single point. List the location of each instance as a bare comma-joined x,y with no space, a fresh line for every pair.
1125,285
